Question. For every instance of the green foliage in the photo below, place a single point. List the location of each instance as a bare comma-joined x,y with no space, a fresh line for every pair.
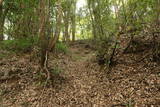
61,48
18,45
26,44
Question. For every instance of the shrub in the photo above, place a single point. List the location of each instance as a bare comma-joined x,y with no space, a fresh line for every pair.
18,45
26,44
61,48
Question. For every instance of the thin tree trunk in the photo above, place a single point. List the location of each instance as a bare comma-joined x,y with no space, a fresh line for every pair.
73,28
73,20
93,23
158,13
2,21
1,1
58,27
66,26
44,17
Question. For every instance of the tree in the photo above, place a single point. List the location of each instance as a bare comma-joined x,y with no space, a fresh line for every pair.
66,18
48,44
3,13
73,19
58,26
44,18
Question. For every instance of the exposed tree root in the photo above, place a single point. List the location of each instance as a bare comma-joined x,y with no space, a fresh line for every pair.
44,68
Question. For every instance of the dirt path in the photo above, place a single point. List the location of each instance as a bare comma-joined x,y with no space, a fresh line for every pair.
81,83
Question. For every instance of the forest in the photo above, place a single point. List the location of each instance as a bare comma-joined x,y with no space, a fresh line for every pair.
79,53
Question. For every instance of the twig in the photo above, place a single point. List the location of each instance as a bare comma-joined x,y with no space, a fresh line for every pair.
143,58
48,76
45,66
112,55
115,105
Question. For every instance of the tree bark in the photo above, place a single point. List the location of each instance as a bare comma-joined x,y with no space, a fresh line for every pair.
66,26
1,1
3,13
92,22
66,19
73,28
73,20
44,18
58,27
1,23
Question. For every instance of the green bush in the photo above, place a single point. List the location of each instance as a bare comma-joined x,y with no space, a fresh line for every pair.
22,45
61,48
25,45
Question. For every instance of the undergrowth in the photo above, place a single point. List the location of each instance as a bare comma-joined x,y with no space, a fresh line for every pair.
18,45
61,48
25,45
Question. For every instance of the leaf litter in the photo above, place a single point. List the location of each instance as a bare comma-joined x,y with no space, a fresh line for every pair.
80,82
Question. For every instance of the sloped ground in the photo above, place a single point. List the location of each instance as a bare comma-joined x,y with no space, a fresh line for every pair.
81,83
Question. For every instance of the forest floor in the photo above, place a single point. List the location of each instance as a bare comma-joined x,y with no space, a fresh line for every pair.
79,82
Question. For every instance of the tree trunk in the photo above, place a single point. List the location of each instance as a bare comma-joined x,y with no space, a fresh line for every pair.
58,27
3,13
1,2
44,18
73,20
73,28
158,13
66,26
92,22
1,23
